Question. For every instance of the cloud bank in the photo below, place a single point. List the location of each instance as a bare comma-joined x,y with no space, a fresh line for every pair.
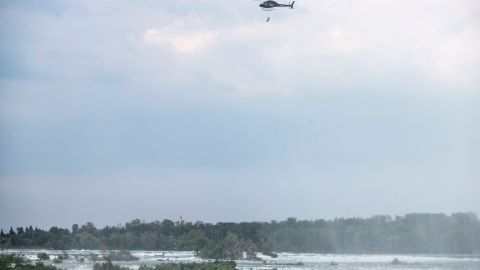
365,106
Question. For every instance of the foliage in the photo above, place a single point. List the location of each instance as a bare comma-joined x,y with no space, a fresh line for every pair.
15,262
217,265
3,241
108,266
412,233
79,259
121,255
43,256
231,248
93,257
63,256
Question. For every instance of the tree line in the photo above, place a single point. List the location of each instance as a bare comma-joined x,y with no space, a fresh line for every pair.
458,233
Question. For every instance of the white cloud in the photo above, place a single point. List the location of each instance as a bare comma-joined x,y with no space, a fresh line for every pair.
455,61
180,38
318,46
429,45
105,78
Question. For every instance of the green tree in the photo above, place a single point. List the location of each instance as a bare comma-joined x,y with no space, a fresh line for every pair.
74,228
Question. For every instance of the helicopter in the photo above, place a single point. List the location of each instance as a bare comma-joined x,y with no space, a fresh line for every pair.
272,4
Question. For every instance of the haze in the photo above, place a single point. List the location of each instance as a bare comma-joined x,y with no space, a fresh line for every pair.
114,110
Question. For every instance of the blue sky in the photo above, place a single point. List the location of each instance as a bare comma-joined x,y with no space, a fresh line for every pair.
114,110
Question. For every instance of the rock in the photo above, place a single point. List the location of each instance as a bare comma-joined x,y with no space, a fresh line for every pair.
395,261
270,254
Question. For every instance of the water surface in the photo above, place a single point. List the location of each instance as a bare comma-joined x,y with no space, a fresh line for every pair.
285,261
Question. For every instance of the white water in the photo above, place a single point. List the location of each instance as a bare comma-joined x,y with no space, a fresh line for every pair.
285,261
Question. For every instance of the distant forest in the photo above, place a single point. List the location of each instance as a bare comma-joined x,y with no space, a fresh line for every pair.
458,233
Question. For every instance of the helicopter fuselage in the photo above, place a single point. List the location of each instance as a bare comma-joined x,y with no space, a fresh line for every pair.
272,4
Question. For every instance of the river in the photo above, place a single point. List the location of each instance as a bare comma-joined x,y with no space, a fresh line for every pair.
81,260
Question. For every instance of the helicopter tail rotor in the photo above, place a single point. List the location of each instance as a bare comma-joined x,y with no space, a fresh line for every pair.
291,5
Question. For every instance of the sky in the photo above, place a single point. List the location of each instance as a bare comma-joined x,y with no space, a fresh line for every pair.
113,110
